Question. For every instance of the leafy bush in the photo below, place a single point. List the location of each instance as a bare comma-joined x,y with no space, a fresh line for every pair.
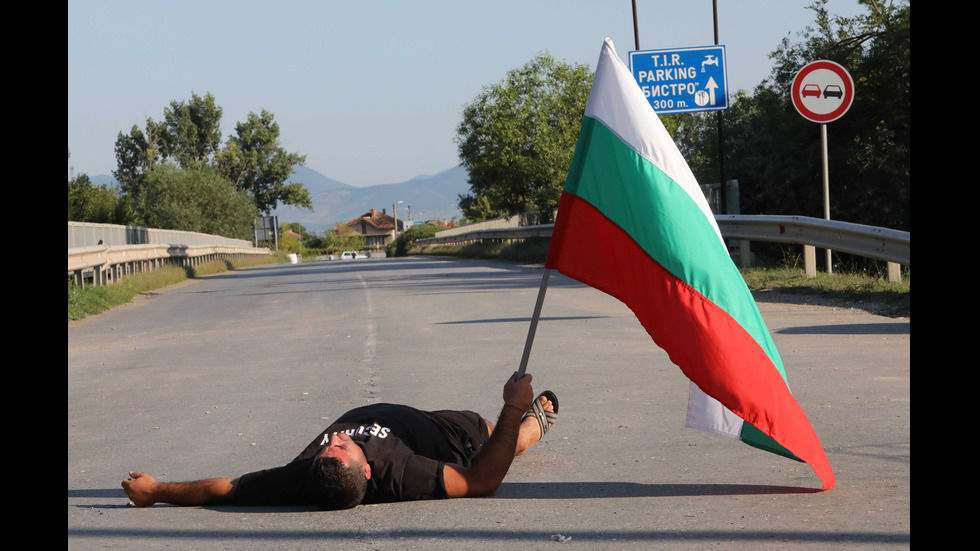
403,244
196,199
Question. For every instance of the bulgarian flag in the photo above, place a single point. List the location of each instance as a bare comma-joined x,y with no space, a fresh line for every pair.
632,222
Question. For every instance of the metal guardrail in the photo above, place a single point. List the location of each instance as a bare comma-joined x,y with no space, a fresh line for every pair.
892,246
522,219
87,234
110,264
522,232
112,251
858,239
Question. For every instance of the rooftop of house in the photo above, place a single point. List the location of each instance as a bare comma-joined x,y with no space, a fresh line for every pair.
379,220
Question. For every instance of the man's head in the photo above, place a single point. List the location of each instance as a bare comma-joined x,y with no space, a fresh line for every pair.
339,475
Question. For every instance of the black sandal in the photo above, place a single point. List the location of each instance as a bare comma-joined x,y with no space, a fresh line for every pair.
545,418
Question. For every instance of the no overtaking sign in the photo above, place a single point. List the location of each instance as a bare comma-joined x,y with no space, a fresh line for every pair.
822,91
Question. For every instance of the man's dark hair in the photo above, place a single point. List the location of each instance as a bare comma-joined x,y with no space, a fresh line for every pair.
332,486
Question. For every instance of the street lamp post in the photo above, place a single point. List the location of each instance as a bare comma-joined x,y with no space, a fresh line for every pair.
394,213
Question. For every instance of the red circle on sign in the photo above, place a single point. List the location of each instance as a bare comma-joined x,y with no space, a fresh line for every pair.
799,91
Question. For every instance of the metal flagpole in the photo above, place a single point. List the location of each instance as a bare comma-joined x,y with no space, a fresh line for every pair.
534,322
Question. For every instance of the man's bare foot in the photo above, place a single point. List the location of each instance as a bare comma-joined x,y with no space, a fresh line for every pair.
530,431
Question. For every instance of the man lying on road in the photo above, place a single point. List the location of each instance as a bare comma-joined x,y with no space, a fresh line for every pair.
380,453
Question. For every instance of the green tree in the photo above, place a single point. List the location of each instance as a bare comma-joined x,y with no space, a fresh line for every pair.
256,162
870,146
295,227
696,136
517,138
136,154
198,199
191,130
288,243
343,237
190,137
775,153
90,203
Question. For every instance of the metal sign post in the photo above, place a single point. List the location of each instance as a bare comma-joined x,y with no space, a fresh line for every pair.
822,92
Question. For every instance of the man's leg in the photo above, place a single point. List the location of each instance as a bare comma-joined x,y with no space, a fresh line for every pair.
530,431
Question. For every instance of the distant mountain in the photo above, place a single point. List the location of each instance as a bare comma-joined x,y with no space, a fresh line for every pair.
430,197
316,182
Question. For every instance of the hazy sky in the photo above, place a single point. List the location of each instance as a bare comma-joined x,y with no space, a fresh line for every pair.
370,92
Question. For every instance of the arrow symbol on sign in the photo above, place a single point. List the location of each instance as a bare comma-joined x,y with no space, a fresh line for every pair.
710,87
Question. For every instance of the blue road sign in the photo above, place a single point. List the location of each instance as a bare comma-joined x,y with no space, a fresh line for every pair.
682,80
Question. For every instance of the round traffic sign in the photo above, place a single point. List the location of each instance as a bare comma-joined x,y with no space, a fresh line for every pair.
822,91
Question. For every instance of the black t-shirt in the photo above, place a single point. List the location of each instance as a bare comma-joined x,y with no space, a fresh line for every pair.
405,447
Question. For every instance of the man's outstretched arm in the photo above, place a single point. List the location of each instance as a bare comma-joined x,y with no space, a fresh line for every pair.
484,476
144,490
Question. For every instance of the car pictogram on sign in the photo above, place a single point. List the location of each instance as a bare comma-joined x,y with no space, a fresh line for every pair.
833,90
811,90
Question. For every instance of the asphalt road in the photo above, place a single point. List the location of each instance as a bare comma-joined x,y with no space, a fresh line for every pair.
237,372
